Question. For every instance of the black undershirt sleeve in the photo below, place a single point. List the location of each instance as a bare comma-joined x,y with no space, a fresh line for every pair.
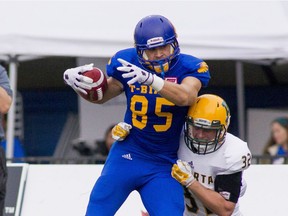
229,186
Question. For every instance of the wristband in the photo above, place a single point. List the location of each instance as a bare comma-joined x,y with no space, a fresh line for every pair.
190,183
157,83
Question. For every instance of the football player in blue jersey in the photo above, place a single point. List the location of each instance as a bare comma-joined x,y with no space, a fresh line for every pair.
160,84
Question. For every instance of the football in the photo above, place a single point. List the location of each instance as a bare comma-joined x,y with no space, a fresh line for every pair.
99,85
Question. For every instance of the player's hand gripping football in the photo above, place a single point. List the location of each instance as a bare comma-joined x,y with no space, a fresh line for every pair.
74,78
182,172
137,74
121,131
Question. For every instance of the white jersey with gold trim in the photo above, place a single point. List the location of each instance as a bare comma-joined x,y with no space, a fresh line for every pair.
233,156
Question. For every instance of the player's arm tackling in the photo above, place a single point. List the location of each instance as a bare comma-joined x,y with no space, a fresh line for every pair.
219,202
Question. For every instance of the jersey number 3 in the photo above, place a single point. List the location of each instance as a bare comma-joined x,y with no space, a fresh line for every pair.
246,159
193,207
139,117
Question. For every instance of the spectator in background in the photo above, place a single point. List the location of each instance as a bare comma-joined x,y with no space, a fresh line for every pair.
5,103
278,142
103,147
98,149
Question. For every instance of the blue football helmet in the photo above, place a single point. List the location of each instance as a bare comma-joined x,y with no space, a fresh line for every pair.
155,31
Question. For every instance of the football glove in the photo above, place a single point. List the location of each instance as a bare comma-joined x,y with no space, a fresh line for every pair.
137,74
182,172
121,131
74,78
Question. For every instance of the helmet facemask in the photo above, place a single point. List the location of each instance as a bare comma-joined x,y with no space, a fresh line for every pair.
161,65
215,135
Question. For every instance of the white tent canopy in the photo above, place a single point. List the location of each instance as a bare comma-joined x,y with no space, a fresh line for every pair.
209,30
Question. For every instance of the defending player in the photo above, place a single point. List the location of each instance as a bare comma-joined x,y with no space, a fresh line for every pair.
212,161
160,84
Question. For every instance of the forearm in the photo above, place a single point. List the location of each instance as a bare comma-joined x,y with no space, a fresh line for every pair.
5,101
212,200
183,94
114,89
177,94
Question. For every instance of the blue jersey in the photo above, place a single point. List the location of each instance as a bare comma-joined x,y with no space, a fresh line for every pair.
156,122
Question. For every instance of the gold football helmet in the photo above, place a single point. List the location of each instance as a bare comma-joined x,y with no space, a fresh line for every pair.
206,124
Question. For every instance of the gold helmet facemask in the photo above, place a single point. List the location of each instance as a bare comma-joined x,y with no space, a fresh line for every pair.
210,114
